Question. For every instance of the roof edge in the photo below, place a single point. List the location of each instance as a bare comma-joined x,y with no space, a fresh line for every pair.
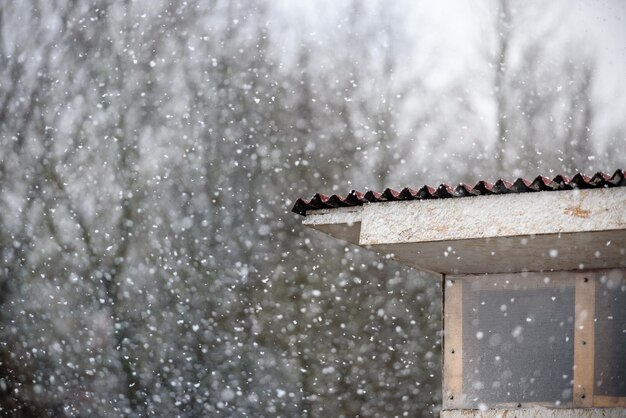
481,188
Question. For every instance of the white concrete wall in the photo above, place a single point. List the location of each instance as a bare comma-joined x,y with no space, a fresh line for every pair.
538,413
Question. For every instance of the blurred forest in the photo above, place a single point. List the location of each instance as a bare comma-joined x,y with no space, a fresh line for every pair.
150,153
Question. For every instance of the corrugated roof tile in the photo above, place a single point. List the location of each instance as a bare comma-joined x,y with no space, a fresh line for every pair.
444,191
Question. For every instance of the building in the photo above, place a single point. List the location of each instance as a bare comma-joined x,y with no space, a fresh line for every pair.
533,286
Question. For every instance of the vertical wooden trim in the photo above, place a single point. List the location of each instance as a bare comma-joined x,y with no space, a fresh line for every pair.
443,337
453,344
584,339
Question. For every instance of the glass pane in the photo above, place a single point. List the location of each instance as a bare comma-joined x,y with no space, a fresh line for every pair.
518,341
610,352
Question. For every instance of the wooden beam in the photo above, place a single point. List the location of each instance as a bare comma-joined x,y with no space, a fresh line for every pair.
553,252
584,340
453,345
519,281
609,401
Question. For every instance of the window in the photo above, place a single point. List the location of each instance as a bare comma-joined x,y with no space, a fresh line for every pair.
531,338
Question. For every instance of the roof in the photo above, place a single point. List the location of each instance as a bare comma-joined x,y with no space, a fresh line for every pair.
444,191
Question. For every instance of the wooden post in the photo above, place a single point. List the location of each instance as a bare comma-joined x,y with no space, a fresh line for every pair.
453,344
584,340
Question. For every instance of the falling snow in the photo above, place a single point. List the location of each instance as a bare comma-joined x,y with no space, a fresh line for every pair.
150,152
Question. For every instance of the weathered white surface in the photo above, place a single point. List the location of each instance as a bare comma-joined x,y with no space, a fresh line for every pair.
341,223
494,216
538,413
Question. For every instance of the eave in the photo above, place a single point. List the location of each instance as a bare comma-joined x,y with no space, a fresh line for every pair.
542,231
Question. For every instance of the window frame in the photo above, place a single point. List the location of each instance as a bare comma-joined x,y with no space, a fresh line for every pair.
584,284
